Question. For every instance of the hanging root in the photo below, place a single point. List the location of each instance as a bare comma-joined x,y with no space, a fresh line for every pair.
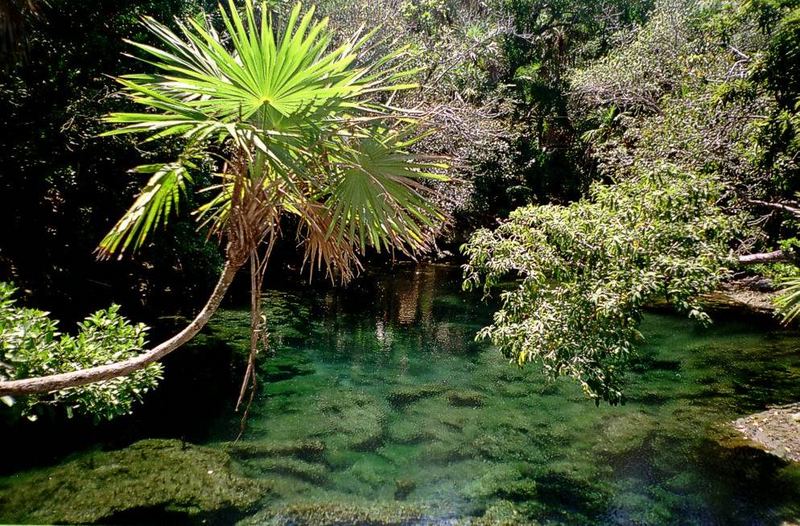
258,331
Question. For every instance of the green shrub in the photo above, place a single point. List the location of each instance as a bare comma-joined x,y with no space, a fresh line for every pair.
31,345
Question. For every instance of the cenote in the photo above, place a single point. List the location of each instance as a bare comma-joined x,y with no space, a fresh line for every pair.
377,406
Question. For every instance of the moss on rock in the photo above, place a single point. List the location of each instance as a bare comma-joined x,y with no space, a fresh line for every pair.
405,396
166,475
408,431
465,398
303,449
403,488
353,420
502,513
496,481
443,452
329,514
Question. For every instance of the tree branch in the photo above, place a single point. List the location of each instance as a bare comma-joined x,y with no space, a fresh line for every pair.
777,206
55,382
775,256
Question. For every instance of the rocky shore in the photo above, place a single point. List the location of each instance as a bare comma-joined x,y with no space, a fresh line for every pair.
776,430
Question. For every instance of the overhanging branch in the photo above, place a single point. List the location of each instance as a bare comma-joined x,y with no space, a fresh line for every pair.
795,211
55,382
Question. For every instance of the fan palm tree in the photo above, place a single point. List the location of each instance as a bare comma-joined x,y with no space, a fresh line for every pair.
299,129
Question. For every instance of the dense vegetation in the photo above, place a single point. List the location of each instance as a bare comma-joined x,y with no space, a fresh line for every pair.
693,133
607,155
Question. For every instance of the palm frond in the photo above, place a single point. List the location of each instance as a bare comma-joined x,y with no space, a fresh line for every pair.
788,302
303,129
377,197
160,197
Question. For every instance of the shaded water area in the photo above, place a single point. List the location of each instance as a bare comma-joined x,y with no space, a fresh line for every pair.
378,407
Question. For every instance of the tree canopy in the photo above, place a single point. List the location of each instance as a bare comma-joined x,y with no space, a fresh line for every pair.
680,121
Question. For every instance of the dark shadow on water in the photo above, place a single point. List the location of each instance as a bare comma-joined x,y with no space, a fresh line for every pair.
199,388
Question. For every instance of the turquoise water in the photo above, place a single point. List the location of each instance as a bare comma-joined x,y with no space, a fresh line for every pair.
378,407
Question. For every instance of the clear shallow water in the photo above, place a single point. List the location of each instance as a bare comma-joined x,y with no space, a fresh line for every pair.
378,402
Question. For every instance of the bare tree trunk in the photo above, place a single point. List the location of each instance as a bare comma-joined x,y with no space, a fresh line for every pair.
55,382
765,257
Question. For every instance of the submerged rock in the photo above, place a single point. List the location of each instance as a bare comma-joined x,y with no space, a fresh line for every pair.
403,488
408,431
502,513
777,430
160,477
351,420
302,449
329,514
404,396
368,472
443,452
501,480
284,367
465,398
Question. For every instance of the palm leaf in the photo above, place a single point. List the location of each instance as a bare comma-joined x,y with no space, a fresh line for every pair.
160,197
377,197
303,127
788,301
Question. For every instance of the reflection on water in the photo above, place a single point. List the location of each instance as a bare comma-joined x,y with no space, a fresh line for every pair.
378,398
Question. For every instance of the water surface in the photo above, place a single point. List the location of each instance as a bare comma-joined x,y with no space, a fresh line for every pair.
378,397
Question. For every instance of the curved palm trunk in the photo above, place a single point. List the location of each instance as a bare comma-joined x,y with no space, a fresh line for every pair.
44,384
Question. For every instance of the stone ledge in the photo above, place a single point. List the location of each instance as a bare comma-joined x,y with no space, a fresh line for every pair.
776,430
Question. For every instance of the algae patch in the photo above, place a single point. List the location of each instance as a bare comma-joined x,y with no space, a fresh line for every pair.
165,475
327,513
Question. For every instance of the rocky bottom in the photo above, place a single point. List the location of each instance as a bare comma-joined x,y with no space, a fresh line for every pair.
387,412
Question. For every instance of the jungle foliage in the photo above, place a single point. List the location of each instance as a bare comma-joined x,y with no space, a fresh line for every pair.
693,133
494,77
587,271
63,186
609,154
